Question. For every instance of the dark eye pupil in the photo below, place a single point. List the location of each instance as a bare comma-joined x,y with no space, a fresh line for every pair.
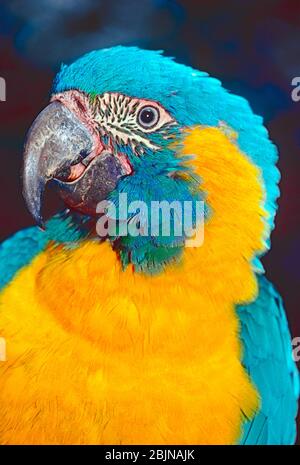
147,116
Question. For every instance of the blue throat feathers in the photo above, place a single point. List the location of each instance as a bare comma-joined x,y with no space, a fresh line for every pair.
161,177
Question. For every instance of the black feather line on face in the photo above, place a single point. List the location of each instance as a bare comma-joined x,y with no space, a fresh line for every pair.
117,116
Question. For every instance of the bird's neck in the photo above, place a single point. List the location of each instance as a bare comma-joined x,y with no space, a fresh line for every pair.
235,222
236,227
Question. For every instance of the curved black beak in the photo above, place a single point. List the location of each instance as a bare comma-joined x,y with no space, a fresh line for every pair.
56,142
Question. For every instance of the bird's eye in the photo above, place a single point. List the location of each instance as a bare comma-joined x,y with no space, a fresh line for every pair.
148,117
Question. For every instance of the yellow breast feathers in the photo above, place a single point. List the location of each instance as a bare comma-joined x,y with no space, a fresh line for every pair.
98,355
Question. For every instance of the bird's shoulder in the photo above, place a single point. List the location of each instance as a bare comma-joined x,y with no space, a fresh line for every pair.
18,250
22,247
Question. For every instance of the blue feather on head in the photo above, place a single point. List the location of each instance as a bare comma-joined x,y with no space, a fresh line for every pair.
191,96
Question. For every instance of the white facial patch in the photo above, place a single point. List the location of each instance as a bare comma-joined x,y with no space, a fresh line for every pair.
129,120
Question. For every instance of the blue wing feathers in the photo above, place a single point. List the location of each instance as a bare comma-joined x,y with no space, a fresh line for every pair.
20,249
268,360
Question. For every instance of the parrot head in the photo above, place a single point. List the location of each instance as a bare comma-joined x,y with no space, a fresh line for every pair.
115,124
111,116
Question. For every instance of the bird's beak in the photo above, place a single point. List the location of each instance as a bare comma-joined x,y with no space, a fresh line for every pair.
61,148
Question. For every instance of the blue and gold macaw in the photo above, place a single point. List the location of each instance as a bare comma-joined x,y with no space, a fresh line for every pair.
141,339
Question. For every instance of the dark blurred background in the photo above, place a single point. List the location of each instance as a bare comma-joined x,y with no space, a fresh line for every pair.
252,46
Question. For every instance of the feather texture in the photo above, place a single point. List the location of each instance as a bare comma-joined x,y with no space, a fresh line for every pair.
268,360
90,341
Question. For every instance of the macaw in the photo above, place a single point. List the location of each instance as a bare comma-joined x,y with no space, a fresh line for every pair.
141,339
